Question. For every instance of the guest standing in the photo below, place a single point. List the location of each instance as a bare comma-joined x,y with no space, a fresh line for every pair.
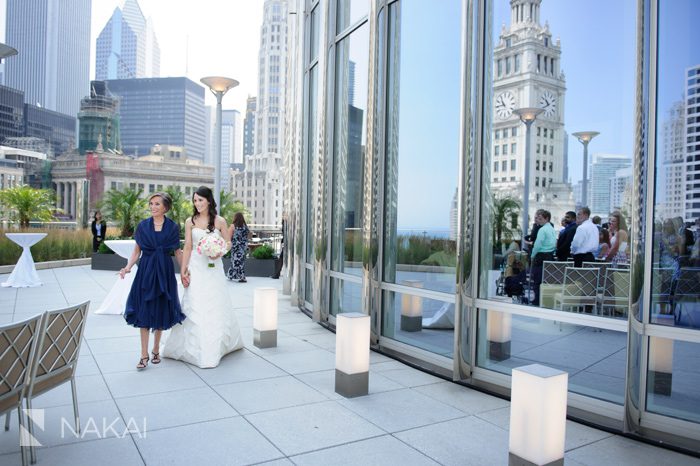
586,239
153,303
99,230
543,250
618,241
566,236
239,245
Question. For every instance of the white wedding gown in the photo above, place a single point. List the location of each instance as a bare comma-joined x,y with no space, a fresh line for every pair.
211,329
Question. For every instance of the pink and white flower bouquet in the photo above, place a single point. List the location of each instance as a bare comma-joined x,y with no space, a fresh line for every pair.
213,246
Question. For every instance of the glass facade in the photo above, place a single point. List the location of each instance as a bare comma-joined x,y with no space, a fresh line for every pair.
495,186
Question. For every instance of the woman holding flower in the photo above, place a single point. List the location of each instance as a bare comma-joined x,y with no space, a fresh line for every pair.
211,329
153,300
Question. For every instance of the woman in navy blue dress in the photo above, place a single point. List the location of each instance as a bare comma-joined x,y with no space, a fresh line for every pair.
153,302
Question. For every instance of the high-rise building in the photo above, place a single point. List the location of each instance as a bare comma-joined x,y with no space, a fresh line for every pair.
674,161
603,171
99,121
127,46
53,40
57,129
160,111
621,190
526,73
692,142
209,121
11,113
249,127
231,139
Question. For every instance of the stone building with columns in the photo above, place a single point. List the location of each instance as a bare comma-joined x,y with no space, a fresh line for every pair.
80,181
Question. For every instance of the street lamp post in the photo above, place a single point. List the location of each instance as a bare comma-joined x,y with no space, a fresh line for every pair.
218,85
527,116
584,137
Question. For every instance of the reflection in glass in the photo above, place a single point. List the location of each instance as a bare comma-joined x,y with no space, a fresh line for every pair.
676,241
345,296
314,33
595,359
673,387
419,321
313,188
308,286
422,139
348,12
349,142
528,190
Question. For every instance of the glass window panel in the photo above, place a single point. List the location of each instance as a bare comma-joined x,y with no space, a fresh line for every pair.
419,321
600,93
422,154
349,141
676,241
314,33
312,166
348,12
595,359
309,286
673,375
345,296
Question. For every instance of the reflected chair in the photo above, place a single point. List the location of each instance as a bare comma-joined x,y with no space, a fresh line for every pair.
616,291
661,286
18,346
602,266
580,289
687,290
552,281
60,337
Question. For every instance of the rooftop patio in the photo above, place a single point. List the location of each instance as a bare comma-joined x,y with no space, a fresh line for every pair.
273,406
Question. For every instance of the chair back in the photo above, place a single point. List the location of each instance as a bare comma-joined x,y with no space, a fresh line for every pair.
59,346
581,282
661,283
617,284
688,284
18,345
553,271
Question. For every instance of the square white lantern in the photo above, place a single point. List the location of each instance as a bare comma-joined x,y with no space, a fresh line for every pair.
265,317
352,333
498,331
661,365
538,415
412,308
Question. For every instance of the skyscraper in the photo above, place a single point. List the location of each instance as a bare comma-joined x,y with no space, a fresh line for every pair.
127,46
603,171
231,139
249,127
53,40
692,142
674,161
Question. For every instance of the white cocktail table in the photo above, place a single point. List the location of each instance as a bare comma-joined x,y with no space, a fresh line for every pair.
24,274
115,301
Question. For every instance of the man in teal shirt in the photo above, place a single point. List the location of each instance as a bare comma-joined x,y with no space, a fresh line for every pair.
542,250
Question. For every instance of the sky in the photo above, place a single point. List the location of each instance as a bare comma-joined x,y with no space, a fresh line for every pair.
197,39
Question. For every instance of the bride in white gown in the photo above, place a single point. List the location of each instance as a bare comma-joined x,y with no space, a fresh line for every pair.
211,329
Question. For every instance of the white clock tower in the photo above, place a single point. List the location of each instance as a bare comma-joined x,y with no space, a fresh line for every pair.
527,73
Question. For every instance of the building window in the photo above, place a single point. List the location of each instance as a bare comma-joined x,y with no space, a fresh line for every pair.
512,164
495,166
504,149
514,131
512,148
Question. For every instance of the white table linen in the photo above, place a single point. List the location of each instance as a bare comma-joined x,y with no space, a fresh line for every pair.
24,274
115,301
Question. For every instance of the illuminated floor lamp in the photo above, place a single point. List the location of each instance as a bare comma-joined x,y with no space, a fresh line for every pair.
660,365
412,308
498,330
352,354
265,317
537,416
218,85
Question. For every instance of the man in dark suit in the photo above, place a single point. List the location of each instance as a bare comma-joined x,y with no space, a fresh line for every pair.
566,236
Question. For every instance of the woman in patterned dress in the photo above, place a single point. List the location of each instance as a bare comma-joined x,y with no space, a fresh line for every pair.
239,245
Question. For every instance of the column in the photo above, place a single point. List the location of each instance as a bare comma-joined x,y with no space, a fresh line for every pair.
71,206
59,193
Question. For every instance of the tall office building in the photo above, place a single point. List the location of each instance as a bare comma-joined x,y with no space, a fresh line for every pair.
231,139
99,121
692,143
127,46
527,73
53,40
249,127
160,111
603,170
674,161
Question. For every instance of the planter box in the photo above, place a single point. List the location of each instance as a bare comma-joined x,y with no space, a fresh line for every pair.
116,262
254,267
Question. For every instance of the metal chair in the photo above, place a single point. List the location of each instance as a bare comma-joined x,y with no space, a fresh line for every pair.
552,281
661,287
687,290
60,337
580,289
18,347
616,290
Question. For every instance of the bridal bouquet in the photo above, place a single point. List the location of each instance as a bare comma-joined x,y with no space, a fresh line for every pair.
212,246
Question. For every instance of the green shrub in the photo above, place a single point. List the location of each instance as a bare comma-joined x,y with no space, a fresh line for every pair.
263,252
104,249
57,245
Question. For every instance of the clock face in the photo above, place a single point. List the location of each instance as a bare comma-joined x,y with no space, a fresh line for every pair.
505,103
548,102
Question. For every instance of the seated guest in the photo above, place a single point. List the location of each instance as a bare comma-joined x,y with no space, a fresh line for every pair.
603,244
543,250
566,236
586,239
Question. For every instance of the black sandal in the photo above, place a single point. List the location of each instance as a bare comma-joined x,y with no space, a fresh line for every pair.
143,363
156,358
